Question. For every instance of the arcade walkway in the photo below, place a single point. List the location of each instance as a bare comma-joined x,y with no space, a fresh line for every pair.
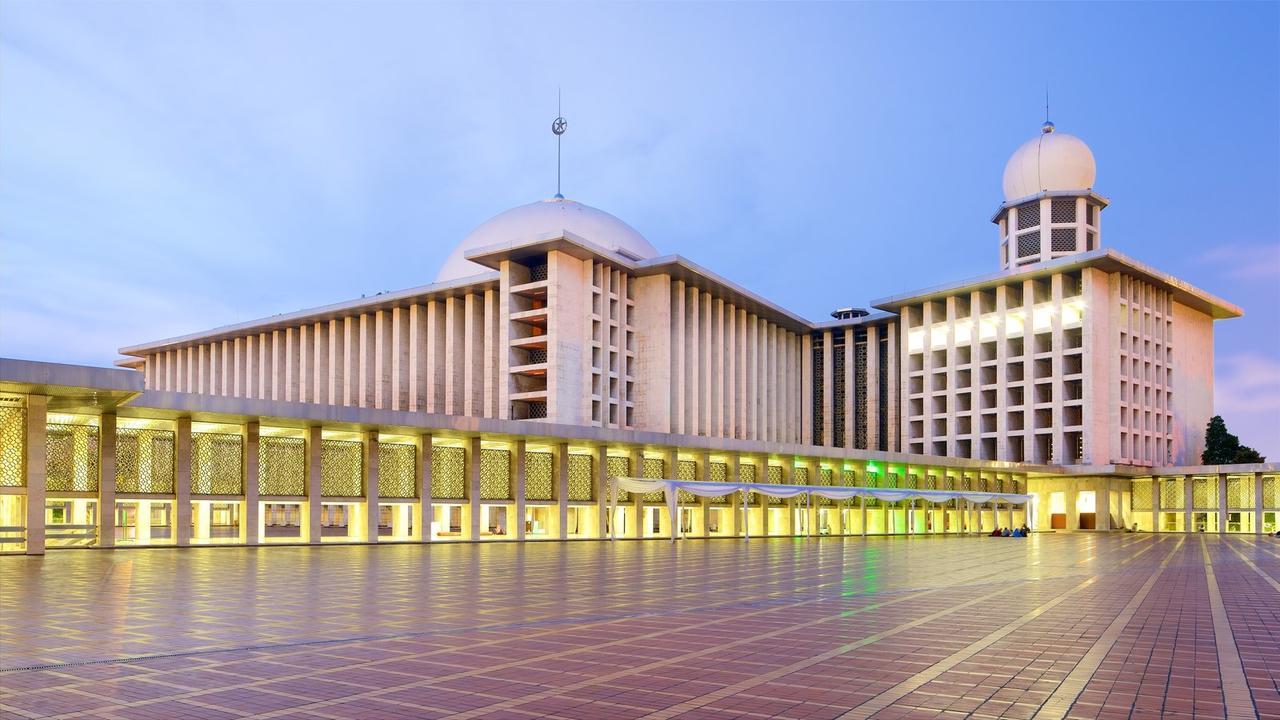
1054,626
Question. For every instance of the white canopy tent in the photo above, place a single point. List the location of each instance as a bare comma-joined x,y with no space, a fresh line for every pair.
699,488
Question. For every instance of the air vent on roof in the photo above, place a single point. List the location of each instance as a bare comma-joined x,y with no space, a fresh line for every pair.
849,313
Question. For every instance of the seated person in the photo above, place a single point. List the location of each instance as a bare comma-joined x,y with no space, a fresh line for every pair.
995,533
1004,533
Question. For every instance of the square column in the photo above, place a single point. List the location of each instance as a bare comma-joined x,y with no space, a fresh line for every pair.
473,487
37,452
1257,504
669,470
107,480
1104,506
370,464
599,489
701,461
561,490
1188,497
637,505
182,482
314,439
422,485
252,474
1155,504
1222,505
519,484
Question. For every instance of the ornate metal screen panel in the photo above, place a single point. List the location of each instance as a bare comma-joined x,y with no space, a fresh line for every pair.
538,471
1204,493
1171,496
217,460
72,458
818,388
341,468
838,396
653,469
144,461
1141,495
849,478
13,425
617,466
580,467
826,478
893,481
860,395
686,470
773,476
495,474
718,472
282,466
1239,492
448,473
397,471
1270,492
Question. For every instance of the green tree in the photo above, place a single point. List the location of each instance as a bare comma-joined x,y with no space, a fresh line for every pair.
1223,448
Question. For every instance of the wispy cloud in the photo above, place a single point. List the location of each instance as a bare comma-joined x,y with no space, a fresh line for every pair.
1242,261
1247,396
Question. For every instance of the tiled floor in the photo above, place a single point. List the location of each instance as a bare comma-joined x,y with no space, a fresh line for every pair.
1083,626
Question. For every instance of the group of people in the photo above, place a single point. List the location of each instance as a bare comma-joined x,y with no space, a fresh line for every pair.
1016,532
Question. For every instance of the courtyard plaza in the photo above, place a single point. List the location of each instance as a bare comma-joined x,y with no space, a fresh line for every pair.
1057,625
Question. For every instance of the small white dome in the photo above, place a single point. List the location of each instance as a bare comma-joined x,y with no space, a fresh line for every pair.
1049,161
545,217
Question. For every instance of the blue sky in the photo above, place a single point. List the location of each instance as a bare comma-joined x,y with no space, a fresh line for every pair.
166,168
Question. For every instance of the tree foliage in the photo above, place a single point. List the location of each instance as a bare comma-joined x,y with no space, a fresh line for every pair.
1223,448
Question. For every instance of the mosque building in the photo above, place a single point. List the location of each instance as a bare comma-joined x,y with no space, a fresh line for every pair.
558,350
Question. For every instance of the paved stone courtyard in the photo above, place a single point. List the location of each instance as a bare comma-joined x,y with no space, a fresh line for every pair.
1054,626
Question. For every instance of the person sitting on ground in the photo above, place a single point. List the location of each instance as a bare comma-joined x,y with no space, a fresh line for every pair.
1025,530
995,533
1005,532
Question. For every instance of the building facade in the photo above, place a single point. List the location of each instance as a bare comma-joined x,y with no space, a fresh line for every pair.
557,348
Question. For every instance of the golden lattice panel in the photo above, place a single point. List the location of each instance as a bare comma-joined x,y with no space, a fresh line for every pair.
539,472
1271,492
341,468
849,478
495,475
773,476
448,473
217,461
718,472
617,466
1171,497
1204,492
72,458
653,469
686,470
144,461
397,471
13,425
580,467
747,474
282,466
1140,499
1239,492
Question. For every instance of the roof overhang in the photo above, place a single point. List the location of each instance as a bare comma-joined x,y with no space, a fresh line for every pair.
70,388
1105,259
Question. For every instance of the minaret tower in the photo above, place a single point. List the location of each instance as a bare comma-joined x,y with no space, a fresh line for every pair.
1049,209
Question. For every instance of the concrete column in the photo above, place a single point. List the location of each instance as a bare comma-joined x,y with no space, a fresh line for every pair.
637,505
37,451
1155,504
473,487
370,464
701,461
1222,504
1257,504
423,481
518,486
600,490
107,480
1104,505
669,460
314,439
561,491
1188,495
862,508
182,482
252,467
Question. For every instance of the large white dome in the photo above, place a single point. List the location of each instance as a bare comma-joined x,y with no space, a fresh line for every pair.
545,217
1049,161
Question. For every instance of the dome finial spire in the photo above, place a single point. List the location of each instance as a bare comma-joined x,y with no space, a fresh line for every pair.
1047,127
558,126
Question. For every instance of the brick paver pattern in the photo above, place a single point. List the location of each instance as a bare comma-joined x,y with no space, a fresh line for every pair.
1053,626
